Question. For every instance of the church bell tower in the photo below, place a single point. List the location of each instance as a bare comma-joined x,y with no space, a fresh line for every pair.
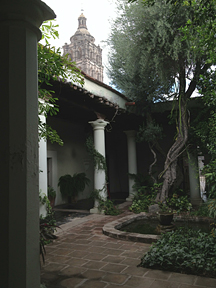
84,52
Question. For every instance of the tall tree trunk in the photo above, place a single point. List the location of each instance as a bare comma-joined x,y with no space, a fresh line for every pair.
151,145
153,163
169,173
170,167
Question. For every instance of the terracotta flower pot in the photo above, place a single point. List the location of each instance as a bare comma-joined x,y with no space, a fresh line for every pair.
52,201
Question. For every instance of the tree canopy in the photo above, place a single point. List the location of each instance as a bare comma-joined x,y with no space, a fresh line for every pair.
151,58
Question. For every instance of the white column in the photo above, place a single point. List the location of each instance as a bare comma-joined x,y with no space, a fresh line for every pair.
99,174
19,205
43,168
132,160
194,180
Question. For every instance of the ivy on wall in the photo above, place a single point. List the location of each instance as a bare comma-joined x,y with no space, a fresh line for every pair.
98,159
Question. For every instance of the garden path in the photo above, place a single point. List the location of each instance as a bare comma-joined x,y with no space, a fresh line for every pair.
83,257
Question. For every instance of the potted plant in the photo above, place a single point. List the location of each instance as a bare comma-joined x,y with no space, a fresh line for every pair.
70,186
165,214
51,196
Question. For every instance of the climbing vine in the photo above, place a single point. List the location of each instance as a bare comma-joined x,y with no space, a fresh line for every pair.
100,163
98,158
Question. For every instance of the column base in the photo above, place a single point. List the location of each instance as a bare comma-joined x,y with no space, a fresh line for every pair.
197,201
95,210
130,198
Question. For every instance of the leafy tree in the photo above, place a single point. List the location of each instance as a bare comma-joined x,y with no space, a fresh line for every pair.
202,25
149,59
52,66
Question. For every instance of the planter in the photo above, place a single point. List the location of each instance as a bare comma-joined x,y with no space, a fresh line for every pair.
70,186
72,199
51,195
165,218
52,201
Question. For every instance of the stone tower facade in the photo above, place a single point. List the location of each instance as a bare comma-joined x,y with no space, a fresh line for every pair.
84,52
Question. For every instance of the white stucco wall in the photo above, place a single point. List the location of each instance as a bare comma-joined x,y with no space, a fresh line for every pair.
72,157
101,91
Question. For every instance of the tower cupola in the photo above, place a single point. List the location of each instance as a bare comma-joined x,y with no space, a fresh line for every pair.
82,22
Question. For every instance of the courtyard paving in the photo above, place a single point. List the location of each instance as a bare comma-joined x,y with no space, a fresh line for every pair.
84,257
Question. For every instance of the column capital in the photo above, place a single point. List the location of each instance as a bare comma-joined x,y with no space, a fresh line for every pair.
98,124
26,12
131,133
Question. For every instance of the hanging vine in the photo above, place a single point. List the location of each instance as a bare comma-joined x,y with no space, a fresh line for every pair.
98,159
100,164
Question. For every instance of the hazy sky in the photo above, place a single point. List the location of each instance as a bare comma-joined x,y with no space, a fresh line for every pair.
98,14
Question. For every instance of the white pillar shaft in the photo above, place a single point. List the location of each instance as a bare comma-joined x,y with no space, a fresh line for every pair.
194,180
99,143
132,160
19,205
43,168
99,138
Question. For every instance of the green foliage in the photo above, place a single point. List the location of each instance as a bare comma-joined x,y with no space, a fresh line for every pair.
136,53
48,30
142,183
179,203
207,209
72,185
151,132
184,251
203,25
202,211
109,208
150,59
51,192
210,173
105,205
212,208
47,225
50,217
100,164
164,208
147,39
99,159
144,197
141,202
47,132
203,127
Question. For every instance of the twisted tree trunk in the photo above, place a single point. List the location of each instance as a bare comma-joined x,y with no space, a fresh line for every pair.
170,166
153,163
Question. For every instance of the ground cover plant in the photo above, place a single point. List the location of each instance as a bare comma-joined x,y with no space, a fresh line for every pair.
47,225
178,203
184,251
141,202
145,196
110,208
145,193
201,211
105,205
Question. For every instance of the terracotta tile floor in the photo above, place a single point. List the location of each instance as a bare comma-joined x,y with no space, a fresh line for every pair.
83,257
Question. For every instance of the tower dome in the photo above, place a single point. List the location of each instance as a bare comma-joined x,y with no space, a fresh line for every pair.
82,30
